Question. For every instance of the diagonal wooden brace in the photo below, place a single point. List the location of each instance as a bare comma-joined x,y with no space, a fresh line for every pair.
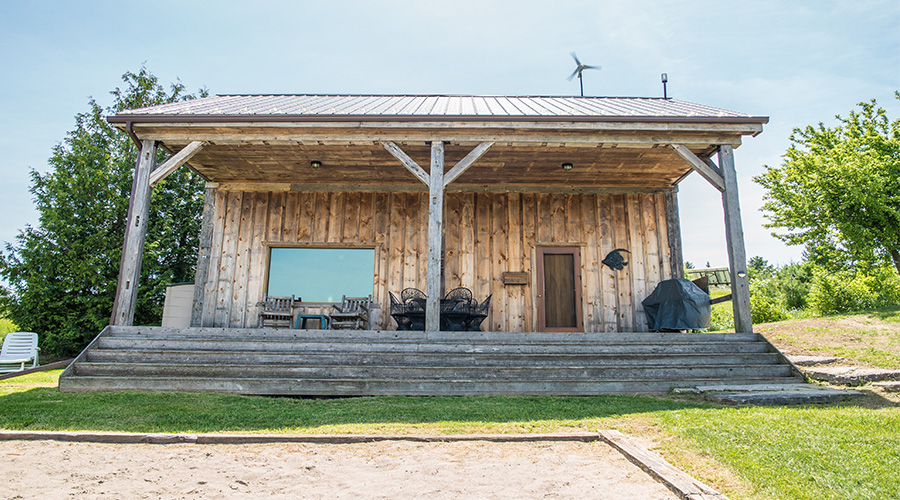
176,161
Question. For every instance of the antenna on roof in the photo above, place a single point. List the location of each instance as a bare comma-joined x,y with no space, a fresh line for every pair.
665,80
578,70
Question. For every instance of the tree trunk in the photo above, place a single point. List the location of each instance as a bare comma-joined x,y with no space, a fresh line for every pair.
895,254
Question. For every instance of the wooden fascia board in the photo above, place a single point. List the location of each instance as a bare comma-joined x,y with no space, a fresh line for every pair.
743,128
179,159
712,175
455,137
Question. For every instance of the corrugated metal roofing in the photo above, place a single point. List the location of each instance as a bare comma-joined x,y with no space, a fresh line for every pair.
430,107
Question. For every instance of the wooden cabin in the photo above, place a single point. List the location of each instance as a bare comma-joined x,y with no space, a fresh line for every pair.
516,198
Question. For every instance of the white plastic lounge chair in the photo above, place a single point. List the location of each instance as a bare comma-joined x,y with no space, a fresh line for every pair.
19,348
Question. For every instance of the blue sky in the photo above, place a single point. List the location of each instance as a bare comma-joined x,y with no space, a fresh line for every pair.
798,62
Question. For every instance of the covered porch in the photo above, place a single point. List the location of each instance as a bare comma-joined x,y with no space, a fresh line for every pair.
444,191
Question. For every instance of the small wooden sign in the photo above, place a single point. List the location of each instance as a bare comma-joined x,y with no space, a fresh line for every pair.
514,278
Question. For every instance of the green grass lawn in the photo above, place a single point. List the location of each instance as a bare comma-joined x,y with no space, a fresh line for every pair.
869,338
843,451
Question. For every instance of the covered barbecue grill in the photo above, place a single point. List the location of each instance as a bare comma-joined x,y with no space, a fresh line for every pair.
677,304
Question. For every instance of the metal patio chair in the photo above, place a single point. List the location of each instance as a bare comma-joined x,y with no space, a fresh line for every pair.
479,314
398,312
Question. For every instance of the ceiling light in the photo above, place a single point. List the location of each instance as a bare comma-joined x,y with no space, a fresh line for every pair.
567,166
315,164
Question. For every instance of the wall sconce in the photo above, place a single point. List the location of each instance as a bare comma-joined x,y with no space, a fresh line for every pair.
567,166
741,274
315,164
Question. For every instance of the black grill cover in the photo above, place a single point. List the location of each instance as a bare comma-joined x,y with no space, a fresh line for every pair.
677,304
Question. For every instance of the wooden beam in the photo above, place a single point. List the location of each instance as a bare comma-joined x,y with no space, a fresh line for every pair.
176,161
734,239
466,162
203,255
710,174
673,224
408,162
711,164
435,237
135,234
419,188
525,138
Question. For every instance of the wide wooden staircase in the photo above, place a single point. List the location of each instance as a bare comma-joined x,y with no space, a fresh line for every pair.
363,362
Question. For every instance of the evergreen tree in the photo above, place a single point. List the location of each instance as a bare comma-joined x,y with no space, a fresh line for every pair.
63,273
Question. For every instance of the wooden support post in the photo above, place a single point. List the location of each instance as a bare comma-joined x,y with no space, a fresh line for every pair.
435,239
203,255
436,182
135,234
673,223
734,237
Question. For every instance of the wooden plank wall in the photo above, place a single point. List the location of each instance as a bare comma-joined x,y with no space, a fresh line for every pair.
486,234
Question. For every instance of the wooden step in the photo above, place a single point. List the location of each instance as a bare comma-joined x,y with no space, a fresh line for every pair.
304,345
300,362
402,372
381,387
124,356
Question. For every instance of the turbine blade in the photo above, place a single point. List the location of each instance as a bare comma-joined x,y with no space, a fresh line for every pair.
591,67
576,72
576,58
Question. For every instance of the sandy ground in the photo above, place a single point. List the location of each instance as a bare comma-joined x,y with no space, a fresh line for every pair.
389,470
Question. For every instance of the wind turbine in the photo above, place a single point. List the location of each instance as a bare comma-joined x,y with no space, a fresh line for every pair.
578,70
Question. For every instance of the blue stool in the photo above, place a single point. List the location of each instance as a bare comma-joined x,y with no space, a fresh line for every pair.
302,320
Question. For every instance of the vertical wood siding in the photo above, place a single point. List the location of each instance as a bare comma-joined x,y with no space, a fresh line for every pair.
486,234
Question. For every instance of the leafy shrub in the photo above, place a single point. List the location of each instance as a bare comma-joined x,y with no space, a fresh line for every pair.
843,291
765,303
722,318
766,309
6,326
885,282
793,282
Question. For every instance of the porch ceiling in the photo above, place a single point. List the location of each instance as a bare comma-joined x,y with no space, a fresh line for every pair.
655,165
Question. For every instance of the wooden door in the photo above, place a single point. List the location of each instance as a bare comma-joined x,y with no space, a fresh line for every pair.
559,289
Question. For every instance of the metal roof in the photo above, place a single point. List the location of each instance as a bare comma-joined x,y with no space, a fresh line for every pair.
430,108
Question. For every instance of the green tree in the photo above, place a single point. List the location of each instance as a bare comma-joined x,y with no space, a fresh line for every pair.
838,189
63,273
760,267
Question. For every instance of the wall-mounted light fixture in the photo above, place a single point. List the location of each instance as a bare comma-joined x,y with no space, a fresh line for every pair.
567,166
315,164
741,274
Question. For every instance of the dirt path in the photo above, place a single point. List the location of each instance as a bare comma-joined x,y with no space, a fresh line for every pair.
389,470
